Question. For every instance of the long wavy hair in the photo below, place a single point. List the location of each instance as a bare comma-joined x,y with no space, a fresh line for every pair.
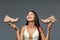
36,23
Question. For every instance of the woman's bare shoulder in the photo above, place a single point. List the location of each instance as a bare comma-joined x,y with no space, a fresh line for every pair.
41,29
23,27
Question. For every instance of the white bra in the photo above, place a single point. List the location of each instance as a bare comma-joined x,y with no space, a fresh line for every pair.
35,35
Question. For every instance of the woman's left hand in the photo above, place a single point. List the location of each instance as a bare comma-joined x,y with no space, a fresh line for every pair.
50,25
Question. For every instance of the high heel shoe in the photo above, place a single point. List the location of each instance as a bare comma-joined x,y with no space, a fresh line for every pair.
9,19
50,19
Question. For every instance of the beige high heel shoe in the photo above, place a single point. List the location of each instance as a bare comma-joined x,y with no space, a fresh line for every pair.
9,19
50,19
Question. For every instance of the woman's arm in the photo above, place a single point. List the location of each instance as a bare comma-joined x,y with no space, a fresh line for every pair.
48,31
42,33
48,35
21,33
17,34
15,28
43,37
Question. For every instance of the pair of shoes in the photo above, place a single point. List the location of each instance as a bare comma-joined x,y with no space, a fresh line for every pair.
50,19
9,19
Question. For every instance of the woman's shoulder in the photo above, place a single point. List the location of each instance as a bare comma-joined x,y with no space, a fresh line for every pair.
41,29
23,27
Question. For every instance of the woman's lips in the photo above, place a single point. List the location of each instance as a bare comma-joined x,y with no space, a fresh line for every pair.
29,17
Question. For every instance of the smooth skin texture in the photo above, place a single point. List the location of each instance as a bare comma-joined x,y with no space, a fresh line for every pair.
30,27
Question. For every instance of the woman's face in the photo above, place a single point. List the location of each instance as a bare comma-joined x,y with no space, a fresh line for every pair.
30,16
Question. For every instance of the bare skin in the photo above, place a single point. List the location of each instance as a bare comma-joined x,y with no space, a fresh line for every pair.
30,28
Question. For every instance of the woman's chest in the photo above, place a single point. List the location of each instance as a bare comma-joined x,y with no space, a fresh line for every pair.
31,34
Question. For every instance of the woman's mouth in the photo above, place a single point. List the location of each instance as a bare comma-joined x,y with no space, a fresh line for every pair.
29,17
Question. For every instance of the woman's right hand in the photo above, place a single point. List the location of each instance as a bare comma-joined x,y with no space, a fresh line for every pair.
13,25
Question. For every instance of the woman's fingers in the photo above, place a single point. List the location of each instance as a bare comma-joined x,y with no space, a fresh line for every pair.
13,25
50,25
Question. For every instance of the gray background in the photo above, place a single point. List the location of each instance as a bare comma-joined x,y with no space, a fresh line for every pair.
20,8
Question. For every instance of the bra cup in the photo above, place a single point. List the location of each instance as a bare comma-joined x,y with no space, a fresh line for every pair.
35,35
26,35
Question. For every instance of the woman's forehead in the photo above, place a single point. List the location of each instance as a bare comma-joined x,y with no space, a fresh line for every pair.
30,13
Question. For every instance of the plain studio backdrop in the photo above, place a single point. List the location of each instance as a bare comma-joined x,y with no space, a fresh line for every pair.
20,8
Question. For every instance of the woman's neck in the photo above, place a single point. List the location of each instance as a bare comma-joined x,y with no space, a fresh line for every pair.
31,24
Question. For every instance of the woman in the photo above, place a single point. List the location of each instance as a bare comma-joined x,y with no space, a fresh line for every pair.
32,30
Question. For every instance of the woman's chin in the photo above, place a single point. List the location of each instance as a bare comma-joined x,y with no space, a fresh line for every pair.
30,20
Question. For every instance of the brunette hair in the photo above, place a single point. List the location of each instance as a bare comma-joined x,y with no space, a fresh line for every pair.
37,24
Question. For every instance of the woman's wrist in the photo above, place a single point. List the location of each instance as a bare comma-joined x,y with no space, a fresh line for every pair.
48,30
49,26
13,26
16,28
